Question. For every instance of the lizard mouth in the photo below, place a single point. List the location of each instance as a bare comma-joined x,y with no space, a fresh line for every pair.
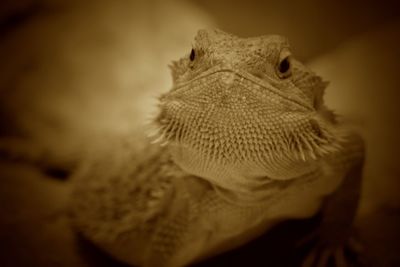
216,75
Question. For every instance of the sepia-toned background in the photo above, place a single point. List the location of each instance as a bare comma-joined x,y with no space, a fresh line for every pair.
74,73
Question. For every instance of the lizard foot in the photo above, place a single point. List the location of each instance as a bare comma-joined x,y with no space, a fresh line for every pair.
345,255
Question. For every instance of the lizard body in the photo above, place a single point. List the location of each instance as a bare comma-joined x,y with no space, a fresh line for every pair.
248,143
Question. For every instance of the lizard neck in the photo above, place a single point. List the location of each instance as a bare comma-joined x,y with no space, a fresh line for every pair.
241,183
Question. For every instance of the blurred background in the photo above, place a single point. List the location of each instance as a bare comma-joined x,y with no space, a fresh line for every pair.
74,74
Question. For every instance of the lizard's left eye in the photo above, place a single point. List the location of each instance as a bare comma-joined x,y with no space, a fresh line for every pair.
284,68
192,55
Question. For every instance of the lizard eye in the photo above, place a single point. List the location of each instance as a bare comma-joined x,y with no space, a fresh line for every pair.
192,55
284,68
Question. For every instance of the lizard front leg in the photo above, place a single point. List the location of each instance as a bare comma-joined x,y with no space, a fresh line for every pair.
337,215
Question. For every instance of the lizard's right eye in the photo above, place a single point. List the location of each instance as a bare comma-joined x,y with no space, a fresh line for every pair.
284,68
192,55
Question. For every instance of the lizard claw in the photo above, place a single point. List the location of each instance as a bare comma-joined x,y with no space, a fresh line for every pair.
346,255
322,257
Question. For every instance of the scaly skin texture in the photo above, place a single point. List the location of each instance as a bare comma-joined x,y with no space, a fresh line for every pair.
247,143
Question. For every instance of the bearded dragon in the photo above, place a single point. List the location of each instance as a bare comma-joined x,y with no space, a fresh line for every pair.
246,143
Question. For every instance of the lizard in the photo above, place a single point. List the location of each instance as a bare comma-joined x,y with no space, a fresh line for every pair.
244,141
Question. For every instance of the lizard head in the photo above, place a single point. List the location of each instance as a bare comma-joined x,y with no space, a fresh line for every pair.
245,108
